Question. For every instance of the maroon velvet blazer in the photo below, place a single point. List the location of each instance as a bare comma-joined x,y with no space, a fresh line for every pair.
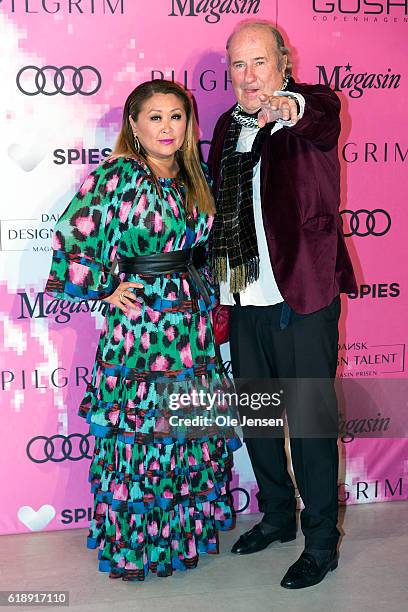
300,195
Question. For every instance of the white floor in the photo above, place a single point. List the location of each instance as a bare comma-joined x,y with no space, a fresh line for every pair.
372,574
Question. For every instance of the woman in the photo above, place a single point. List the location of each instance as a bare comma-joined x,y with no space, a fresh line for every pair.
159,496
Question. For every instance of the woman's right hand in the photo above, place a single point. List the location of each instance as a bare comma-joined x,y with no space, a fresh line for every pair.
123,298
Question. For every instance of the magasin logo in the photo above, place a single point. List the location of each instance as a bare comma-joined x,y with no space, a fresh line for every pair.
62,310
213,10
342,77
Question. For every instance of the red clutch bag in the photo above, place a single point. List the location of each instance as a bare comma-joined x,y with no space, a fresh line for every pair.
221,323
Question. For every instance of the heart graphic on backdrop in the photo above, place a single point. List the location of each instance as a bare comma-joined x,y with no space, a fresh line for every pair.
36,521
26,156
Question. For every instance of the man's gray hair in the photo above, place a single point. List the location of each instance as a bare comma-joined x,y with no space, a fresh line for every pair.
249,24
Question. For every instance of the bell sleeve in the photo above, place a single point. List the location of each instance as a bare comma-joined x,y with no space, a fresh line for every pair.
85,239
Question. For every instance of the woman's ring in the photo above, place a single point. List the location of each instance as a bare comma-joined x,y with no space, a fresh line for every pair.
121,297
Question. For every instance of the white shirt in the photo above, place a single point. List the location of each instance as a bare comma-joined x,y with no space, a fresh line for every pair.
264,291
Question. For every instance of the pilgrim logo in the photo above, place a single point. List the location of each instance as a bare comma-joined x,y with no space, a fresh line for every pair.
356,83
72,7
374,152
213,9
377,489
206,80
20,380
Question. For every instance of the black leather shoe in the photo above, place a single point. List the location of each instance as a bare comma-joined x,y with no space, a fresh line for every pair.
306,572
259,537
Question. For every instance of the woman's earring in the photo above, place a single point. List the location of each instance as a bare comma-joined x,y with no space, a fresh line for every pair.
137,144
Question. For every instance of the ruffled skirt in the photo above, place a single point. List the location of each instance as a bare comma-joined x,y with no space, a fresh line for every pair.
156,507
159,498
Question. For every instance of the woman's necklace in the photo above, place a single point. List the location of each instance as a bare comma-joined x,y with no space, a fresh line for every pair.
179,186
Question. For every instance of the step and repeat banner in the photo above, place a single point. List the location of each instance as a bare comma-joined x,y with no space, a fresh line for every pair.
66,69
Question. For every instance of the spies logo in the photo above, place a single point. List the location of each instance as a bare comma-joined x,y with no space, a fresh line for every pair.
80,156
377,290
75,515
356,83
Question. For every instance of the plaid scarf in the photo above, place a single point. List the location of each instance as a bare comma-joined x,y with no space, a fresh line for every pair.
234,236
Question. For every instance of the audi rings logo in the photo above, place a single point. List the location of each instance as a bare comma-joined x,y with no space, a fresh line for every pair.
365,222
58,448
246,499
66,80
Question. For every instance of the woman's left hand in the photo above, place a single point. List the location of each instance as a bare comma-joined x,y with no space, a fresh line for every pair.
123,298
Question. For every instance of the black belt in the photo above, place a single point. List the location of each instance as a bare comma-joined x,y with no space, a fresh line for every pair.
187,260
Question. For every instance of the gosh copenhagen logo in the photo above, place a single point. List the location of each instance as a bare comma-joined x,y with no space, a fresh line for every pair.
343,78
213,10
365,7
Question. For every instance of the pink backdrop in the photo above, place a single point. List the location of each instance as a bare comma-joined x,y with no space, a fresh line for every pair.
49,143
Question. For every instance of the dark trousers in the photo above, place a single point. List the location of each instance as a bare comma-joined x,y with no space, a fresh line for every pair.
305,349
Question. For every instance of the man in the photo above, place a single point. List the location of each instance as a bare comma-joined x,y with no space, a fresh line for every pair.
279,254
